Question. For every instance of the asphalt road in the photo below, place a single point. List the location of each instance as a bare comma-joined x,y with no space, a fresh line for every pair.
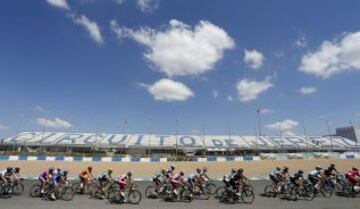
83,202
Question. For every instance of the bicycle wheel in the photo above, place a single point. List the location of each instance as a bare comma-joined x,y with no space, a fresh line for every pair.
204,194
35,191
219,191
150,192
115,196
18,188
66,193
5,192
134,197
327,190
309,192
270,191
247,196
77,188
186,196
211,187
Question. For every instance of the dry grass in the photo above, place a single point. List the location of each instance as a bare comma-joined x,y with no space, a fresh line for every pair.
146,170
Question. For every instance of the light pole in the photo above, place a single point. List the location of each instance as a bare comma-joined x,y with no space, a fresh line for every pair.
176,137
258,111
149,135
124,126
331,140
304,129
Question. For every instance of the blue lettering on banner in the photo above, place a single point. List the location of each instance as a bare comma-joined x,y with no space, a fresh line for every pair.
92,139
70,137
217,142
15,138
162,139
139,140
59,158
123,139
184,141
43,138
230,143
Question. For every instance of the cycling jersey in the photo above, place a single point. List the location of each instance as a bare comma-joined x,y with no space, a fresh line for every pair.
5,173
352,176
104,177
122,180
175,180
329,171
43,175
56,179
193,177
158,178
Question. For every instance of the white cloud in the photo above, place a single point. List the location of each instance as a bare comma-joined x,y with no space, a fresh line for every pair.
169,90
59,4
265,111
253,58
147,5
91,26
333,57
3,127
56,123
215,93
230,98
249,90
301,42
179,49
285,126
307,90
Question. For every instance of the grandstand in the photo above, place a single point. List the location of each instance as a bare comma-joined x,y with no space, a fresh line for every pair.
167,145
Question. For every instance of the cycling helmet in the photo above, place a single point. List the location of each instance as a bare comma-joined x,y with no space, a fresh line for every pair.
233,170
182,173
17,170
278,168
163,171
240,170
355,169
172,167
110,171
332,165
318,168
198,170
204,169
89,168
286,169
129,173
9,169
65,172
51,170
300,172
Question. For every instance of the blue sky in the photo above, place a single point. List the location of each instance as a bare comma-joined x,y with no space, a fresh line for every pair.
90,65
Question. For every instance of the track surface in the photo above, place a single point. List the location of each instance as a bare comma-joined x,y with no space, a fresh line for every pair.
83,202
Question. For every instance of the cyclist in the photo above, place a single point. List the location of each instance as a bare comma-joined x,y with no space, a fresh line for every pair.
123,182
238,180
159,179
331,171
44,178
85,177
316,177
353,177
203,175
55,182
105,180
276,177
5,175
177,181
170,172
193,178
298,179
228,178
